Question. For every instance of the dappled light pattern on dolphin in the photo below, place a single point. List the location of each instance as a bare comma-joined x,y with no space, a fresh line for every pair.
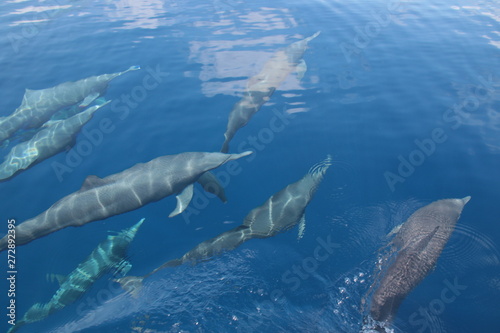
261,86
100,198
38,106
50,140
279,213
109,254
417,244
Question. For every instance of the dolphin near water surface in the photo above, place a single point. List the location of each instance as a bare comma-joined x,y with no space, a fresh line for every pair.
109,254
100,198
419,243
52,139
279,213
38,106
261,86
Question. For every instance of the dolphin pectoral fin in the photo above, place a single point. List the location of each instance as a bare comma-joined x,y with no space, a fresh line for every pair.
183,200
302,227
211,184
301,69
59,277
89,99
131,284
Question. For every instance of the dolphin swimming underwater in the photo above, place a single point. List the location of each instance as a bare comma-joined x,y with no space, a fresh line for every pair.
419,243
47,142
261,86
279,213
109,254
39,105
100,198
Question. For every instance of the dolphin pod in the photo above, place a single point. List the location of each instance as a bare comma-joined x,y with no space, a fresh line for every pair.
109,254
39,105
52,139
279,213
419,243
262,86
100,198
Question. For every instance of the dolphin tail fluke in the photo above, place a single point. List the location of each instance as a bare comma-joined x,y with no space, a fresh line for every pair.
131,284
466,199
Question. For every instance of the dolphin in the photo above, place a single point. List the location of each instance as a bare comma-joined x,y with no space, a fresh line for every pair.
38,106
52,139
100,198
109,254
279,213
261,86
419,243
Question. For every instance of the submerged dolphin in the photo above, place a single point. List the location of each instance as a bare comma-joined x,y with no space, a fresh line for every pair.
262,86
49,141
100,198
419,243
39,105
279,213
109,254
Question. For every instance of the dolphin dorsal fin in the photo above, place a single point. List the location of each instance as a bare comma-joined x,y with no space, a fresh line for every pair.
59,277
91,182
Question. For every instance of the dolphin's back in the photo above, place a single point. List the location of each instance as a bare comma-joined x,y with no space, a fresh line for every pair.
420,242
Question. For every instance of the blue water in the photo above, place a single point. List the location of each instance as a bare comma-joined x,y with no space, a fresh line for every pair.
381,76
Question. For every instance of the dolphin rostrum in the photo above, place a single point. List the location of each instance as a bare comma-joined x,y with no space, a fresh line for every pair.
109,254
279,213
39,105
262,86
419,243
52,139
100,198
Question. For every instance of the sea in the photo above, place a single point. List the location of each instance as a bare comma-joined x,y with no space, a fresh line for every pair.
404,96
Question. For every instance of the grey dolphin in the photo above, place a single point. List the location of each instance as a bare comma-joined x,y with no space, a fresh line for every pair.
109,254
100,198
39,105
47,142
262,86
419,243
279,213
